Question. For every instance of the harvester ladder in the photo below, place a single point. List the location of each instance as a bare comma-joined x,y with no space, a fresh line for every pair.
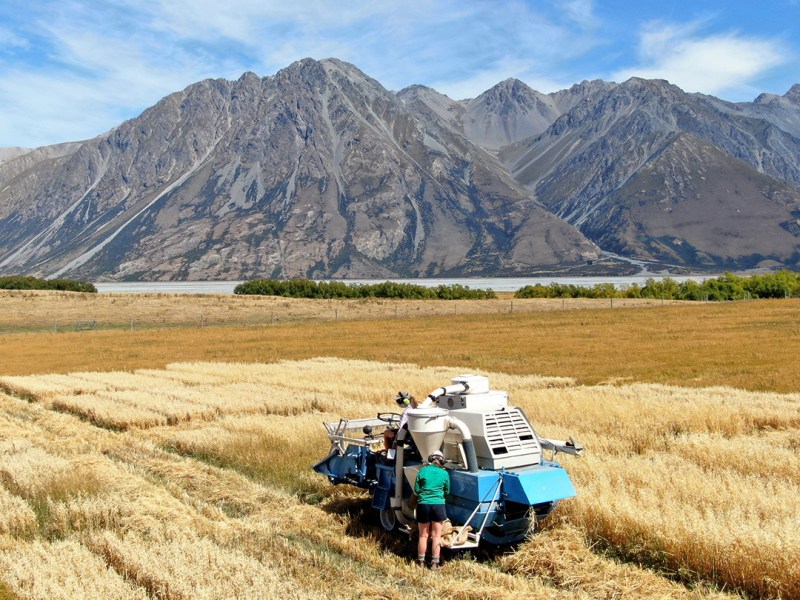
495,491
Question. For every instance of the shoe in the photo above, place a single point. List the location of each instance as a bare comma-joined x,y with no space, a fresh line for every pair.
435,566
421,563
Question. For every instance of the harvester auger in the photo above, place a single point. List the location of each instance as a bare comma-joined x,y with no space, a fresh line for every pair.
500,481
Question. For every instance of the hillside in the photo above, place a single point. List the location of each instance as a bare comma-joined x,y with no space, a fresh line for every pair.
319,171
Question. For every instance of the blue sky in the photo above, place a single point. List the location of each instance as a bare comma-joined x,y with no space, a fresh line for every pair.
73,69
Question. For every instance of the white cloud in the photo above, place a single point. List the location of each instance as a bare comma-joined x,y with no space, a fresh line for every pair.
74,68
10,39
38,110
714,64
581,12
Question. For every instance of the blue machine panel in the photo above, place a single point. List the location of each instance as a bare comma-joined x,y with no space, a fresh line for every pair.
385,487
538,484
473,486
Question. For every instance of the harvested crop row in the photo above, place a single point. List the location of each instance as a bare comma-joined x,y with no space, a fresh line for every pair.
61,570
16,516
204,569
108,413
645,492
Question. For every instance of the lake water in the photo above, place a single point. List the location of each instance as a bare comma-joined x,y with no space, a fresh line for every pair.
498,284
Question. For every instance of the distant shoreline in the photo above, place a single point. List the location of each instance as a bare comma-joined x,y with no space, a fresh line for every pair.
498,284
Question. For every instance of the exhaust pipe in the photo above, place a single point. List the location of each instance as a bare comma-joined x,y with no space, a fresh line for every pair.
456,388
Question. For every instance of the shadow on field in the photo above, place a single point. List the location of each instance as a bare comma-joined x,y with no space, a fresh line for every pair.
363,522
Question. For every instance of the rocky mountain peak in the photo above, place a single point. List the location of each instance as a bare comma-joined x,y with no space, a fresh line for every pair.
637,87
248,77
564,100
793,95
306,72
508,112
766,98
319,171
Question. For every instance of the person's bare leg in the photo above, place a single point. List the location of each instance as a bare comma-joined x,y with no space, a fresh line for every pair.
436,539
422,544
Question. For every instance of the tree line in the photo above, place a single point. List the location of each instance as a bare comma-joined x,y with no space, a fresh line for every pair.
306,288
25,282
781,284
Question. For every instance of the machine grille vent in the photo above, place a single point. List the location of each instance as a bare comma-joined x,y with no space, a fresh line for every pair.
509,432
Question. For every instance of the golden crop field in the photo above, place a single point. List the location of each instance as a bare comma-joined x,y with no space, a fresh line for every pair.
175,463
193,481
749,345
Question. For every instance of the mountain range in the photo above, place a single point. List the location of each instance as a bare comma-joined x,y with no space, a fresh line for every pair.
319,171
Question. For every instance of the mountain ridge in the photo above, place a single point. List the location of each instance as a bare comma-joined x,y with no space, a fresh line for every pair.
319,171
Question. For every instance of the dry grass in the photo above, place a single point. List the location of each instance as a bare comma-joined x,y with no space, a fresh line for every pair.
749,345
61,570
698,484
34,310
192,530
115,451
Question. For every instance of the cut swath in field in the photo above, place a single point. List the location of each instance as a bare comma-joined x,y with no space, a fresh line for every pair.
177,501
61,570
670,478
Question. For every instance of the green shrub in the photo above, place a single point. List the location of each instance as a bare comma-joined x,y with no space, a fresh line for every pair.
26,282
305,288
781,284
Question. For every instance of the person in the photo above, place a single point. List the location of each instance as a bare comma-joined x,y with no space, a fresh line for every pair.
405,401
431,486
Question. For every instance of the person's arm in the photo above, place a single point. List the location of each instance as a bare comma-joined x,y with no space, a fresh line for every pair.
446,488
417,488
404,418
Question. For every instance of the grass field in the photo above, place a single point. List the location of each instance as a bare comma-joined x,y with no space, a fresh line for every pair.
174,463
749,345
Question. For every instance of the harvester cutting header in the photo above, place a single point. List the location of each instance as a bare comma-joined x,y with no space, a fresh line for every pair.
500,481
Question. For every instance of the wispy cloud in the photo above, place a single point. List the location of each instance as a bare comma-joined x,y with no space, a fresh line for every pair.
115,59
72,69
581,12
11,40
714,64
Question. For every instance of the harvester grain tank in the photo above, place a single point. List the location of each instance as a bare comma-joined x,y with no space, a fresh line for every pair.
500,480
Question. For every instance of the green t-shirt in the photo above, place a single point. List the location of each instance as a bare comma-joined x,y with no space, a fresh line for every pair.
432,485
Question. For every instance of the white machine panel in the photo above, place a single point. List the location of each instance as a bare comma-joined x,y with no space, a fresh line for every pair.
483,402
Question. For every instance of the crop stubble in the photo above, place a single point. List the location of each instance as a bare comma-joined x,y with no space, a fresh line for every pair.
669,481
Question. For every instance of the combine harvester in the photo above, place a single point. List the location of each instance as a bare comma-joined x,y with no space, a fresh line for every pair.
500,482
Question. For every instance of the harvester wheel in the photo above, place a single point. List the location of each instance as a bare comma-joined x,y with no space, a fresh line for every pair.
388,519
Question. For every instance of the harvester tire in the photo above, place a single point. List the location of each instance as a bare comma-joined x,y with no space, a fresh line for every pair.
388,519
